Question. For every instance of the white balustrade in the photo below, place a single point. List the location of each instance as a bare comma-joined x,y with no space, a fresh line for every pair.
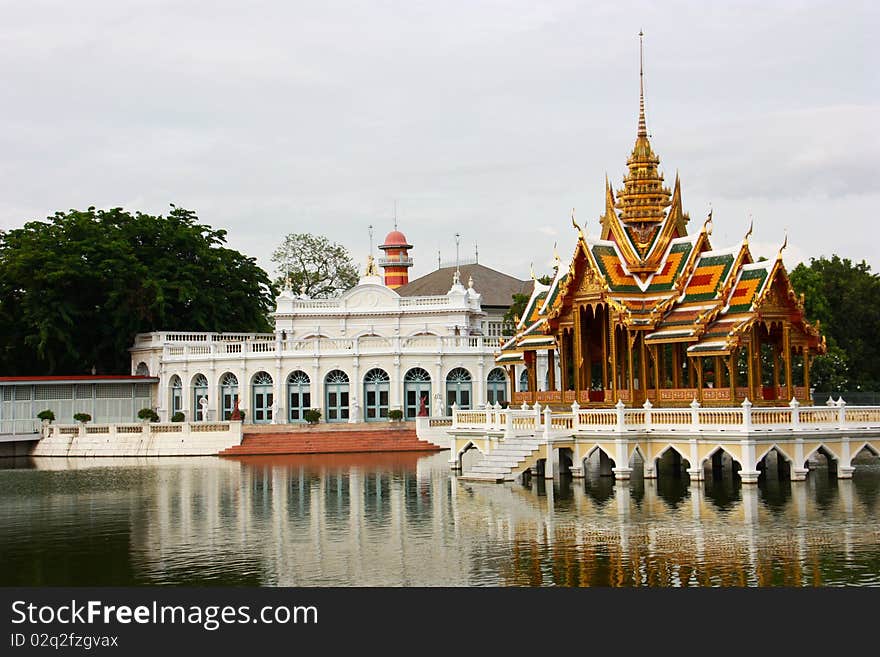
695,419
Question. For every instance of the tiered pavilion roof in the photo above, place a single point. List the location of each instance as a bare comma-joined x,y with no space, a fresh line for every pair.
646,311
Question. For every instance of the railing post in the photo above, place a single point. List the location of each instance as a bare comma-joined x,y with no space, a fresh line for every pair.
537,415
647,406
454,415
695,414
548,420
794,405
841,413
524,406
619,406
508,423
575,415
747,414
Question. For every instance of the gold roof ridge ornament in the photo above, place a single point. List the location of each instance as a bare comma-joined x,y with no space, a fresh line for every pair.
707,225
575,224
782,248
749,231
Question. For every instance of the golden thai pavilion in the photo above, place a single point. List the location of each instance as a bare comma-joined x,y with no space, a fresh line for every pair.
649,312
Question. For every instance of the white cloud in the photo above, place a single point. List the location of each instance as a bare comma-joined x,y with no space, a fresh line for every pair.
492,119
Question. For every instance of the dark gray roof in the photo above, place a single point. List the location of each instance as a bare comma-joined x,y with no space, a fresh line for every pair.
497,289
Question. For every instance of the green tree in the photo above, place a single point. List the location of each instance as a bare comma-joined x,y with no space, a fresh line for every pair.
845,298
317,267
76,288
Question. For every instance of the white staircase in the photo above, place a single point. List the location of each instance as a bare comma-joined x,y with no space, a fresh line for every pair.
507,461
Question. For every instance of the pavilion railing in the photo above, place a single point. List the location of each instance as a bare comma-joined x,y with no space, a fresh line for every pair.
647,418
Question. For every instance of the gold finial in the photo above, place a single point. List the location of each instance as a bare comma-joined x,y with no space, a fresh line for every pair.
643,128
575,224
556,255
532,271
707,226
782,248
749,231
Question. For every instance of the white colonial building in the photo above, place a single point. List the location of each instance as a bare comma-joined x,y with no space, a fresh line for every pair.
354,358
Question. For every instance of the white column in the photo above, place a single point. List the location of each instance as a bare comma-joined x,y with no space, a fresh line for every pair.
749,473
480,387
844,465
279,410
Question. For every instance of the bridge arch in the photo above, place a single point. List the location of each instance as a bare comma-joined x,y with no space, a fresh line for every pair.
460,455
598,457
714,459
825,451
671,457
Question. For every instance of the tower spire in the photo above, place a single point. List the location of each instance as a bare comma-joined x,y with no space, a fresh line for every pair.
643,128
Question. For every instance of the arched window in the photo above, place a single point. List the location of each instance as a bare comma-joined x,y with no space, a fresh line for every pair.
376,386
176,395
458,389
228,394
496,387
263,397
416,393
524,381
336,396
199,393
299,396
142,370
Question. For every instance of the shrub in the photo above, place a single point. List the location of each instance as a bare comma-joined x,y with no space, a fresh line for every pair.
395,414
312,416
48,414
148,414
242,413
178,416
82,417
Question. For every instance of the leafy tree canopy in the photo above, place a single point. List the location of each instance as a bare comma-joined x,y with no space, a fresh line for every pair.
845,298
317,267
76,288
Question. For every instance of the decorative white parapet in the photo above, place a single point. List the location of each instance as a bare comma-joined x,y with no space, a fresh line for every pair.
138,439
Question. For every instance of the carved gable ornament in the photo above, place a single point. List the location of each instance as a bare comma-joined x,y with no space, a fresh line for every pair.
590,284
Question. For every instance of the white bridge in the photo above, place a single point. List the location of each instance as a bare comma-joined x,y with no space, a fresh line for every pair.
512,441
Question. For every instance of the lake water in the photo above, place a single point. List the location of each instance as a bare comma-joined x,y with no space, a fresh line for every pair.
406,520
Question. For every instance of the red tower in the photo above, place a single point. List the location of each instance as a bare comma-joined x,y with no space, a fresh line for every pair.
396,261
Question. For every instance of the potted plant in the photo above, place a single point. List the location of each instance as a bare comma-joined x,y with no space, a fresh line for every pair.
148,415
312,416
82,417
46,416
178,416
395,415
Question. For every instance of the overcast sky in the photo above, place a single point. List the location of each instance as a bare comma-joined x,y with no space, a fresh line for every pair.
491,119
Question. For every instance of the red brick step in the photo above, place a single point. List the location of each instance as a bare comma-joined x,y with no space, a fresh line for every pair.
318,441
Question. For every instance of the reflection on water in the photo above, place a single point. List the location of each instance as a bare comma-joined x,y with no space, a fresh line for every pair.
404,520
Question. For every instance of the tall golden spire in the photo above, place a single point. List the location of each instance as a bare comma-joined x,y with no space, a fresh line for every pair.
643,201
643,126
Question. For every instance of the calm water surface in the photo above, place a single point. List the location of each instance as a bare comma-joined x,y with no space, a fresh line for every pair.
404,520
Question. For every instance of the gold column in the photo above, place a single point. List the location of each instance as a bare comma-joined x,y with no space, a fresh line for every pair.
731,374
613,349
643,362
655,350
750,362
563,361
604,333
629,364
698,363
786,356
757,391
578,358
551,371
719,379
587,376
533,377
